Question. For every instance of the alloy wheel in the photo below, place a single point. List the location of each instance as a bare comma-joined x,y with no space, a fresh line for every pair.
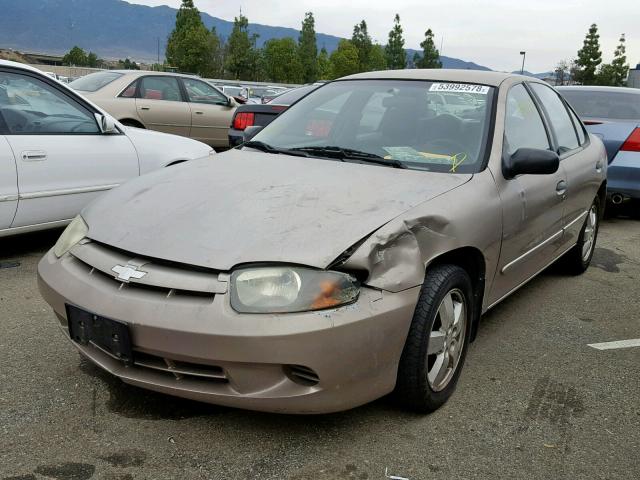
589,233
446,340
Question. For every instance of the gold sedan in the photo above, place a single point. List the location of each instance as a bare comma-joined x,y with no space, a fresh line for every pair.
167,102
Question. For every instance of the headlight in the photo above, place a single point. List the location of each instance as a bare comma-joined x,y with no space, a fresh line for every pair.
290,289
74,232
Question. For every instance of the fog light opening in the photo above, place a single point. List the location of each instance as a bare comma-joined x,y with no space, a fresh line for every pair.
301,375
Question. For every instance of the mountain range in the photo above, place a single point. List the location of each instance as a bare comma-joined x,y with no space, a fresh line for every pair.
117,29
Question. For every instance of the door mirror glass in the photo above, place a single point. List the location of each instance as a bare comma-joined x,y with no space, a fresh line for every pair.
530,161
251,132
106,123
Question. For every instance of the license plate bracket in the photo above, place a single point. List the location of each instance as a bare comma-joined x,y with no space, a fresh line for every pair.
109,335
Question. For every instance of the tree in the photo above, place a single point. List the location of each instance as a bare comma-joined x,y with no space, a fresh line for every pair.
189,45
430,55
394,51
377,59
92,60
308,50
362,41
589,57
240,57
75,57
128,64
282,63
215,62
324,65
344,60
562,72
619,64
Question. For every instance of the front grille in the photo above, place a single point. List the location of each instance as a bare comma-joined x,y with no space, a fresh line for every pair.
169,280
302,375
179,369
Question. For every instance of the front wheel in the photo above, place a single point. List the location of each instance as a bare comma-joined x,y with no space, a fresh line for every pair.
577,260
436,346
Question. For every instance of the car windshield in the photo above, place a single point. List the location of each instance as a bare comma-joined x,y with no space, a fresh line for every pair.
401,122
604,104
94,81
292,96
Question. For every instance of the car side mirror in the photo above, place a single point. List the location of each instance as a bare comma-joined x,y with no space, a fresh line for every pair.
251,132
106,124
530,161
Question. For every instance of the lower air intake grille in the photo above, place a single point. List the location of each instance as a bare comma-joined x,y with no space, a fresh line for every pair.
301,375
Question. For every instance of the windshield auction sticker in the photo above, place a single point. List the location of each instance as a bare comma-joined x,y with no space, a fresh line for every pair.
459,87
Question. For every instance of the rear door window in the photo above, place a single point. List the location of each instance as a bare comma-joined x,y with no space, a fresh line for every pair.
160,88
558,117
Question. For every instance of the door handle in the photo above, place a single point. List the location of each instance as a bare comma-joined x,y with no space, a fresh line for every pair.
34,155
145,108
561,188
599,166
199,113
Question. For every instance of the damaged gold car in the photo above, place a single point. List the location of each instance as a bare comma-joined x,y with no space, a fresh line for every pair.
344,252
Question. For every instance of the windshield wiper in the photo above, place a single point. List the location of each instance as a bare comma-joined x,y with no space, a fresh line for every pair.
344,154
265,147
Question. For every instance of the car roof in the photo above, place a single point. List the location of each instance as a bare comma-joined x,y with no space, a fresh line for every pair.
450,75
9,63
598,88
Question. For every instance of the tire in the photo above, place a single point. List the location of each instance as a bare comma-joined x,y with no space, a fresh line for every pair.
419,386
577,260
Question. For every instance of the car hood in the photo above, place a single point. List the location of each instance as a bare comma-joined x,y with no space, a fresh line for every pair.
246,206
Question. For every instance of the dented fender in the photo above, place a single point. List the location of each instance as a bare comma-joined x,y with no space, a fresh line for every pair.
397,255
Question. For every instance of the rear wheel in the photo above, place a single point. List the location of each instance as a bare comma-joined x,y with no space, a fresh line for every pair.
577,260
436,346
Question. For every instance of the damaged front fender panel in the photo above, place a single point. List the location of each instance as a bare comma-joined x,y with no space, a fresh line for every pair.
396,256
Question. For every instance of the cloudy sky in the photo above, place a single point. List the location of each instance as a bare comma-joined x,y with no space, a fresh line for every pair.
488,32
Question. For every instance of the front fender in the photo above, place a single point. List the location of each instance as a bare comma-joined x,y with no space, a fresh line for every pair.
396,256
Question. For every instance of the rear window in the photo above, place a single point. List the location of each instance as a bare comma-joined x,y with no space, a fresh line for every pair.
292,96
595,104
94,81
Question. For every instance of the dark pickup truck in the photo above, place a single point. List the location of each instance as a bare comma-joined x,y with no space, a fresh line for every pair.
250,115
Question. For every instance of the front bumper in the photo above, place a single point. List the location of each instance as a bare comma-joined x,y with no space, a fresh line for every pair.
354,350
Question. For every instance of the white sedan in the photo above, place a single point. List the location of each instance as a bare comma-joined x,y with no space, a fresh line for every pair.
59,151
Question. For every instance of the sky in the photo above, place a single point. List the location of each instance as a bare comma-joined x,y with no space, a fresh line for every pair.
489,32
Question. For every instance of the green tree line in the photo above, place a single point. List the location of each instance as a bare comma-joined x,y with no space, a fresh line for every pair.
191,47
588,68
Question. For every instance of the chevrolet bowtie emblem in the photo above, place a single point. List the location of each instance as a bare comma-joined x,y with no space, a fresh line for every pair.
127,272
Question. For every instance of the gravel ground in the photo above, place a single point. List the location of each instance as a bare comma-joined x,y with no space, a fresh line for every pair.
534,401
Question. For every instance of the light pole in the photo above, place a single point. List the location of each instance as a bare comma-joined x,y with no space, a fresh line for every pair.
524,55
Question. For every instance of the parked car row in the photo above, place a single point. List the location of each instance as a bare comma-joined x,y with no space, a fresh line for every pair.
345,252
59,151
252,94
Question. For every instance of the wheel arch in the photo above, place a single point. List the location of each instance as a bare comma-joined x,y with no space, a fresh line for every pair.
132,122
473,262
602,195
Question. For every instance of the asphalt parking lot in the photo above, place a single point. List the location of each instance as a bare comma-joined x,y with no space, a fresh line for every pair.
534,400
